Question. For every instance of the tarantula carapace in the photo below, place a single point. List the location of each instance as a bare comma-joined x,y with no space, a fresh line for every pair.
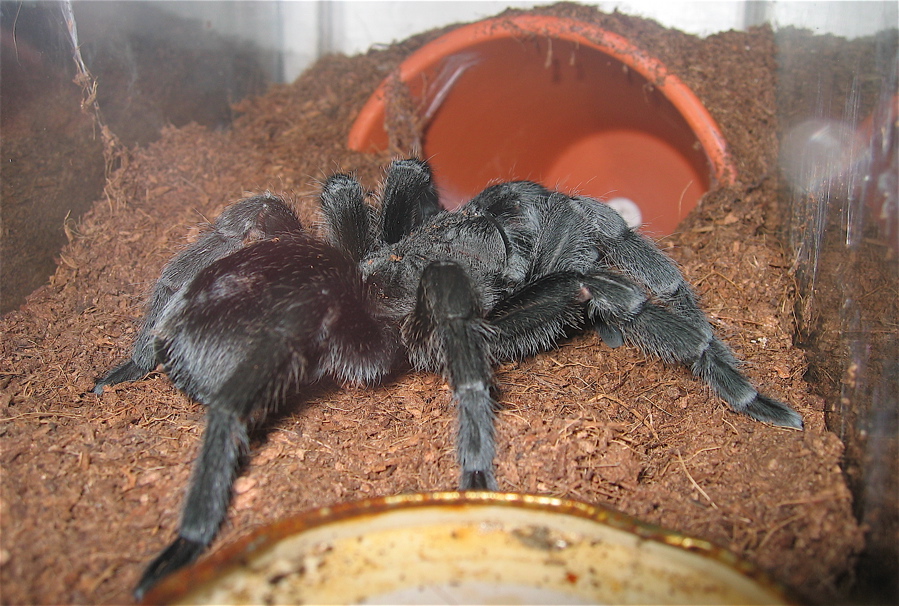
258,306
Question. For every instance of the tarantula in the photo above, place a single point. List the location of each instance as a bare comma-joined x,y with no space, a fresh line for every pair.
258,307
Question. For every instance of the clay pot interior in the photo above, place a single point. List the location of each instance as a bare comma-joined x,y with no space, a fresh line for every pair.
562,103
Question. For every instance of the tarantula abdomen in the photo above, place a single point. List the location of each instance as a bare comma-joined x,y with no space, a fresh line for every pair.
270,318
250,220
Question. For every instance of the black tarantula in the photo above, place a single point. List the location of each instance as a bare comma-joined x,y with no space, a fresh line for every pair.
258,307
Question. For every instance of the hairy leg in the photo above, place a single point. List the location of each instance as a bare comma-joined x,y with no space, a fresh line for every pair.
531,319
409,199
224,439
447,330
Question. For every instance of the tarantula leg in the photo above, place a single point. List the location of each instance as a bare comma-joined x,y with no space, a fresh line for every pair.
448,313
347,216
674,338
224,440
640,260
409,200
532,319
177,555
719,368
129,370
626,249
261,217
610,335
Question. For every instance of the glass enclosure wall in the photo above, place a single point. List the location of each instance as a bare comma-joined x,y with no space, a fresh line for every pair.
159,64
152,68
838,113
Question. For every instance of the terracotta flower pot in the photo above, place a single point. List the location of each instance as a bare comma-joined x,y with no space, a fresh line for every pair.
561,102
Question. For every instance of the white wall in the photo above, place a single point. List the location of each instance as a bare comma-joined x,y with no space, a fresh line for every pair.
303,29
846,18
356,25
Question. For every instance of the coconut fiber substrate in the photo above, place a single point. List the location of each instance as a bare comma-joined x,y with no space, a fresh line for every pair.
92,485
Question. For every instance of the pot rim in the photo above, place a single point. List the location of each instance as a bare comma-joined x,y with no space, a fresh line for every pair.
685,101
265,537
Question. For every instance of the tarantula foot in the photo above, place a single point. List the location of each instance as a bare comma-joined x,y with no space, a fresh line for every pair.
177,555
769,410
478,480
609,334
126,371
